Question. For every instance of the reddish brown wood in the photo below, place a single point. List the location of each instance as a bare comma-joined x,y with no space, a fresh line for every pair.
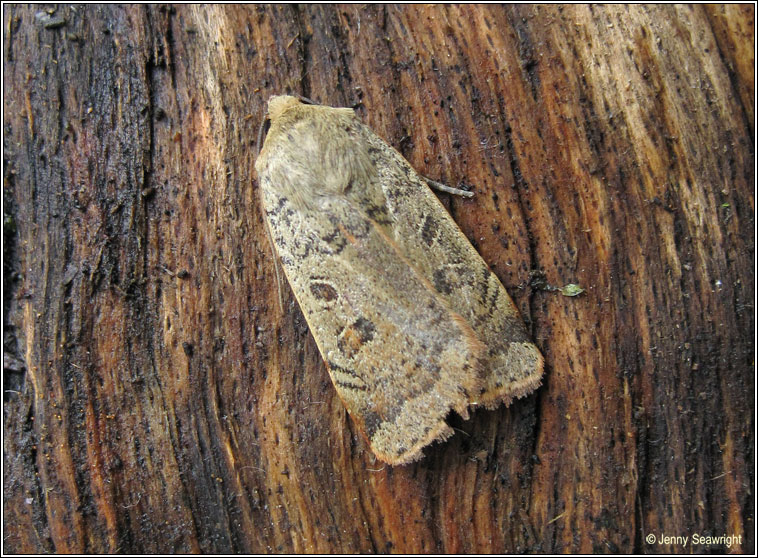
158,399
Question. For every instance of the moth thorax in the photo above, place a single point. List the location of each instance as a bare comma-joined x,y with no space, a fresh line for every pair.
279,103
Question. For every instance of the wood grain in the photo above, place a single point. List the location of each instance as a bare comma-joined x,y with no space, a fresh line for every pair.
159,399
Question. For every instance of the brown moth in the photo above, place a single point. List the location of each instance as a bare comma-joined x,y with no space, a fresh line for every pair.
407,316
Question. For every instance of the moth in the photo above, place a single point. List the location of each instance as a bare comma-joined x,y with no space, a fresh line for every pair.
409,320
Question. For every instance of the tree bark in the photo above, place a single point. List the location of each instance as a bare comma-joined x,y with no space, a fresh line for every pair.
158,398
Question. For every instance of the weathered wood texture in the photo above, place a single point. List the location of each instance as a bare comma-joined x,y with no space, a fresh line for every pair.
158,399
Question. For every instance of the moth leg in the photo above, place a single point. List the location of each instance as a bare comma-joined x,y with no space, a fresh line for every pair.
275,256
442,188
306,100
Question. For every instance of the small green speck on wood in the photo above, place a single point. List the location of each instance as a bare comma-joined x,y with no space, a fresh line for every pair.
572,289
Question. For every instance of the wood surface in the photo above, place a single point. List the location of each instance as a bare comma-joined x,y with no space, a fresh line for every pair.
157,397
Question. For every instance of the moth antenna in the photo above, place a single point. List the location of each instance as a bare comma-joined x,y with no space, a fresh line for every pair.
441,187
268,227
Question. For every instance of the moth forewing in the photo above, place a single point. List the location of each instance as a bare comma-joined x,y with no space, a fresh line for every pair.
407,316
427,234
